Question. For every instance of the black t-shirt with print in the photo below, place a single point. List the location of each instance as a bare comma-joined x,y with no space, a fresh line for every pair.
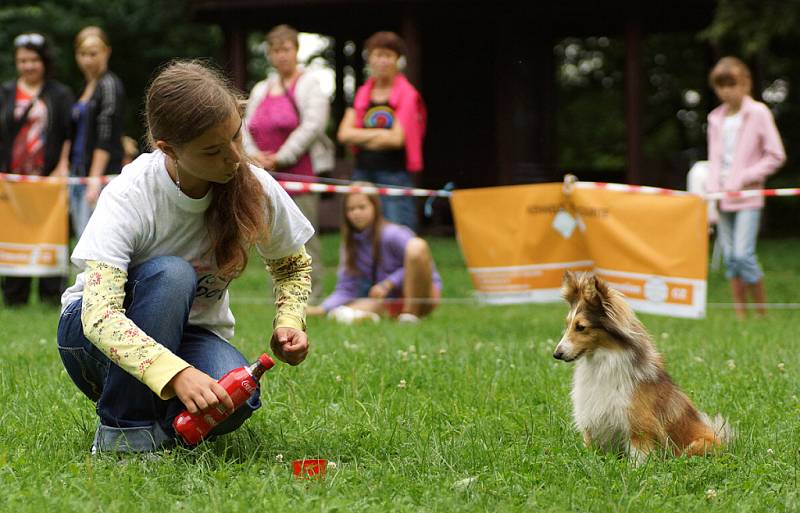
380,115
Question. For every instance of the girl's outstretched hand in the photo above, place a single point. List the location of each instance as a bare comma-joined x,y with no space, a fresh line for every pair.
289,345
198,391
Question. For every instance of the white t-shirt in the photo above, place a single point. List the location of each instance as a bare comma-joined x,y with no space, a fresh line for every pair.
141,215
730,134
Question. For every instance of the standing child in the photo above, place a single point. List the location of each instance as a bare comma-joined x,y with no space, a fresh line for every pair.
744,148
384,267
144,330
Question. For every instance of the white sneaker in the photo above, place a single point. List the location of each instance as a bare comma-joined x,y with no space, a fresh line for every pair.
346,315
407,318
342,314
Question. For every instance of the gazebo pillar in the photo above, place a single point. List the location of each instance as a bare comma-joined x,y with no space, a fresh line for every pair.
633,99
236,54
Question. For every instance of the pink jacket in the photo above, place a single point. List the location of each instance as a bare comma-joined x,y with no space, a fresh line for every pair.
759,153
410,111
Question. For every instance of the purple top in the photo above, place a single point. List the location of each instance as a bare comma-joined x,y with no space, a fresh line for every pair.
394,239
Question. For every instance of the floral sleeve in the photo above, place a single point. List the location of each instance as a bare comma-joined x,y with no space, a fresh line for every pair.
291,276
107,327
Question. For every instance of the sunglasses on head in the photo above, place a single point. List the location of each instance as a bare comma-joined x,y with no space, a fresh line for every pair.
29,39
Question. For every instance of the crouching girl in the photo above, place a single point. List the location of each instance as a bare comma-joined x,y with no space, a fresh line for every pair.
144,330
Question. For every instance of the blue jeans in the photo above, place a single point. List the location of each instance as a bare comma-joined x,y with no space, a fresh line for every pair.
158,296
737,232
397,209
79,209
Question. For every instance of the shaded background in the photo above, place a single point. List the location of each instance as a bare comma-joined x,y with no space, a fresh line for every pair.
518,92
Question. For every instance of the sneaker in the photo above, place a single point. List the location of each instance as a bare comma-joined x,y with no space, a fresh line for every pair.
407,318
346,315
342,314
127,440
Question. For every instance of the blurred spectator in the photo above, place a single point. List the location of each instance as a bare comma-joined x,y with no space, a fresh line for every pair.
384,268
98,118
286,118
386,126
35,133
130,150
744,148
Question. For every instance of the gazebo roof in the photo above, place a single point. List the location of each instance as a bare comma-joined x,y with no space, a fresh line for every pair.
569,17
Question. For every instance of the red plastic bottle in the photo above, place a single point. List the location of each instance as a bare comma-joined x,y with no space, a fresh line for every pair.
240,384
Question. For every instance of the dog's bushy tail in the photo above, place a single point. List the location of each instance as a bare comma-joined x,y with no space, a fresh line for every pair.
722,428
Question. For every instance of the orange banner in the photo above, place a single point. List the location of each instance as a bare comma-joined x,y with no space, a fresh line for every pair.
519,240
34,229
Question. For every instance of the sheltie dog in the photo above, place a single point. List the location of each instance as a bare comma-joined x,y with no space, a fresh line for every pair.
623,400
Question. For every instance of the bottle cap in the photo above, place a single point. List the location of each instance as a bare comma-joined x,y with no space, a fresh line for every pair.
266,361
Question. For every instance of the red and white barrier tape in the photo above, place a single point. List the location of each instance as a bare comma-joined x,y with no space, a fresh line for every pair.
72,180
288,185
644,189
366,189
753,193
293,186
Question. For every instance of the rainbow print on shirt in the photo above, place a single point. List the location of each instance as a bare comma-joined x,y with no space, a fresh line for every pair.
379,116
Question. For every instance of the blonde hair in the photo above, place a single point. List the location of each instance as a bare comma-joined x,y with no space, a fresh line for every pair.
730,71
184,100
90,33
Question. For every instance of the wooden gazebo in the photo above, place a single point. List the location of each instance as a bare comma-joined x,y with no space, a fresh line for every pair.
486,69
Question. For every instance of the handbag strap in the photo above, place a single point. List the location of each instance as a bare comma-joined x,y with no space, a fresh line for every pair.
290,94
17,124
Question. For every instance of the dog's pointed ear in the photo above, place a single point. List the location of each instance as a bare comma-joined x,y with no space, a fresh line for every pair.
569,287
593,292
597,293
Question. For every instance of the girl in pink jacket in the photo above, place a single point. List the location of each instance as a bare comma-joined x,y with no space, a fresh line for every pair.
744,148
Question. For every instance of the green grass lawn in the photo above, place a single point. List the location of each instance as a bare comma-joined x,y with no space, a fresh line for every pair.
483,422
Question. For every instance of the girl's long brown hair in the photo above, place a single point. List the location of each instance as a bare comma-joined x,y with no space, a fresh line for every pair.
348,233
185,99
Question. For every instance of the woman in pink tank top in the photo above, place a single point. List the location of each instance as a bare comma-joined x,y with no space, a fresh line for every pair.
286,119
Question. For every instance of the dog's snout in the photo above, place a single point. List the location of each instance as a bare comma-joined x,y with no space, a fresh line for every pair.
558,354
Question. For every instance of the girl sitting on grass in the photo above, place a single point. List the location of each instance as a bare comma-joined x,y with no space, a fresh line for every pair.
384,268
144,330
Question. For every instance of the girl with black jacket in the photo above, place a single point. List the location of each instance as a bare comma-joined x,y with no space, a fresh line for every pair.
98,118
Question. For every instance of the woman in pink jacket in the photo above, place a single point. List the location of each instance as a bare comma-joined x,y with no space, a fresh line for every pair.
744,148
386,127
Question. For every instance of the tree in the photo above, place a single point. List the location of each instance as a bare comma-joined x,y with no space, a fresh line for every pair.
144,35
767,35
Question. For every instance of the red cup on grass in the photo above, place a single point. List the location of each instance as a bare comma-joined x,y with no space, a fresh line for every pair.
309,469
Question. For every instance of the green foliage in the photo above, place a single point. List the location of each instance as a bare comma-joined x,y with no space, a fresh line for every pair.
591,119
766,34
482,424
750,27
144,35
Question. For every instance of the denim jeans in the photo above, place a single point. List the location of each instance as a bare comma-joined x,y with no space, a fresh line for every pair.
79,209
737,232
397,209
158,297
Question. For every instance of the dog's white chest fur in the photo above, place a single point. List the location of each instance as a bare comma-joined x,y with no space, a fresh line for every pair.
602,389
